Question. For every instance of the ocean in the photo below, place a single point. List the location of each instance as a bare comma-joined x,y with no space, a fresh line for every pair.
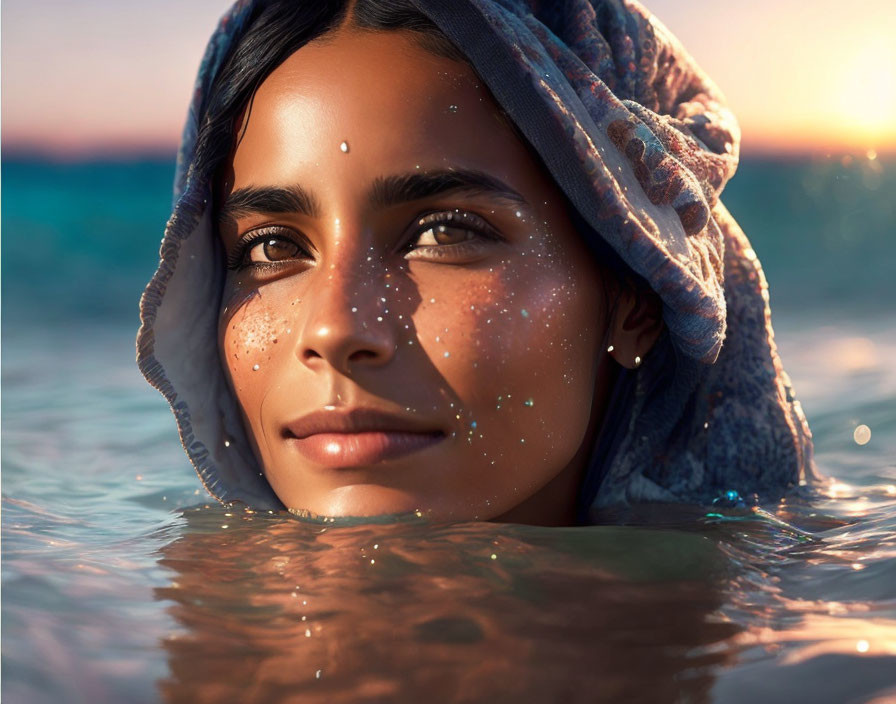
121,581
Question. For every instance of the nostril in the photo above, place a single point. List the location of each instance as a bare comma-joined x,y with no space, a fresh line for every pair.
311,354
359,355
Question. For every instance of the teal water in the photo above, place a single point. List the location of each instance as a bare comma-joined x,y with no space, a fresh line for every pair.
120,583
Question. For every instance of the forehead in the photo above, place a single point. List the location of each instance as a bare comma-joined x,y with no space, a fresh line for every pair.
393,104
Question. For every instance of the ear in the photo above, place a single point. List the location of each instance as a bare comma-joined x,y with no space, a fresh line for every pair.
635,326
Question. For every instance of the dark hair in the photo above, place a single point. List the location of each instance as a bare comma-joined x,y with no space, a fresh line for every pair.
274,31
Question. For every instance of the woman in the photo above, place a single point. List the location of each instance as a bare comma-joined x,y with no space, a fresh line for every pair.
465,259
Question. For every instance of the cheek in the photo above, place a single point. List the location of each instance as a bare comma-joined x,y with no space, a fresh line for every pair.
252,340
517,347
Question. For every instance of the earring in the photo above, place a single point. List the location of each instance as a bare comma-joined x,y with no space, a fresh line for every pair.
637,362
610,348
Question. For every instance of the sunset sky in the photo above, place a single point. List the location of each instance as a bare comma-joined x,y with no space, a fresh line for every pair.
101,76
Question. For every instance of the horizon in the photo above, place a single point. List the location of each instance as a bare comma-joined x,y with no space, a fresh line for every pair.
802,84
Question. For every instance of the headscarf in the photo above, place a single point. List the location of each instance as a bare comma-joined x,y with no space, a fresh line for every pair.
641,143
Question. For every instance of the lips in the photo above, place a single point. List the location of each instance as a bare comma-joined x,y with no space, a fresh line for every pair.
347,438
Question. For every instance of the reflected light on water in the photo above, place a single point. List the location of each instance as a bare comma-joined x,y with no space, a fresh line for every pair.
818,634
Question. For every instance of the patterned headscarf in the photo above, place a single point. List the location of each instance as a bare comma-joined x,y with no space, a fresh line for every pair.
641,143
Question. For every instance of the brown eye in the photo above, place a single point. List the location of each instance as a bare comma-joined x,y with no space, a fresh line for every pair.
275,249
444,234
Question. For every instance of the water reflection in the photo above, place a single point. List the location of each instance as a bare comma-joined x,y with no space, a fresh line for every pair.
271,608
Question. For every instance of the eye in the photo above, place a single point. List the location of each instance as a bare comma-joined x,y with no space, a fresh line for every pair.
269,247
274,249
444,234
453,235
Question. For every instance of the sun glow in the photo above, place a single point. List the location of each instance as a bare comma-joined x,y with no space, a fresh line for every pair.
867,103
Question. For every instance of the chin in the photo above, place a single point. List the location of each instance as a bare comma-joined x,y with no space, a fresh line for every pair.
362,500
373,500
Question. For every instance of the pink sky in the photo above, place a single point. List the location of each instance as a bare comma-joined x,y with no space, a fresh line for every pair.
108,76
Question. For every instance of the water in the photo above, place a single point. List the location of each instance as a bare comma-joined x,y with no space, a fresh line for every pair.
120,583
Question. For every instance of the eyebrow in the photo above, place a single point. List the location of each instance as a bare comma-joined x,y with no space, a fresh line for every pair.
386,191
269,199
395,190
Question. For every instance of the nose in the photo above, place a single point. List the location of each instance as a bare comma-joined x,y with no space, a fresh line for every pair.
348,325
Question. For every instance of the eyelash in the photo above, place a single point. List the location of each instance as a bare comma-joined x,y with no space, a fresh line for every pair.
239,258
470,221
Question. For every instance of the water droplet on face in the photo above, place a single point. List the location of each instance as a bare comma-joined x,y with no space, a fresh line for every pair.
447,354
344,147
862,434
524,313
529,402
452,108
255,367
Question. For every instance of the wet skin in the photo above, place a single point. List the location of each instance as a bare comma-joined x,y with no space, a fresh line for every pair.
410,319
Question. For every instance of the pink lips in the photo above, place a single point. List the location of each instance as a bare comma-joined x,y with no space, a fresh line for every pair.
357,437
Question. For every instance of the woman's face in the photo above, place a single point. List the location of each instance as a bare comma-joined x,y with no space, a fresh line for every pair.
410,321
